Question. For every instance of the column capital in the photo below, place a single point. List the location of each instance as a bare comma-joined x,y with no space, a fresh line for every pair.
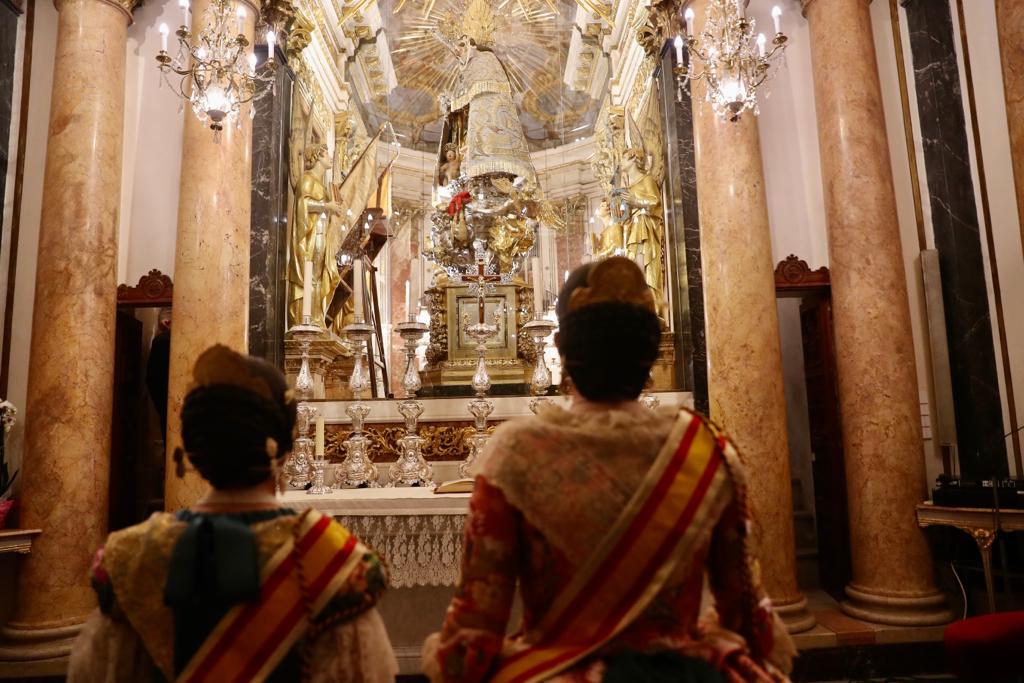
126,6
806,4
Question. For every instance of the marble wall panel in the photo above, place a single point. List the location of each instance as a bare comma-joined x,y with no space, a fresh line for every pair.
8,45
955,222
269,237
683,250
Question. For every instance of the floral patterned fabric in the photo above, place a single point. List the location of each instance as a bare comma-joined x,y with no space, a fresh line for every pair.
539,462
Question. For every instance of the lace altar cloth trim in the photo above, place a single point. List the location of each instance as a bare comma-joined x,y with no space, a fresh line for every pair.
420,550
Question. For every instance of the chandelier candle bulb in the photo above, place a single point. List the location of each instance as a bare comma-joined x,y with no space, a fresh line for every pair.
319,452
678,45
252,62
307,290
163,37
240,17
689,20
777,18
538,288
271,39
184,13
761,40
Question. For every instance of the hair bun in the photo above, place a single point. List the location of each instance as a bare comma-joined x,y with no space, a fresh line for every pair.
616,279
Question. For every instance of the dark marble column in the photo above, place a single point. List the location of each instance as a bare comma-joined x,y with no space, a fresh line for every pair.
269,237
684,236
955,222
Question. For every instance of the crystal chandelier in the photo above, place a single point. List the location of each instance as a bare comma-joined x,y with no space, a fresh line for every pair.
217,64
735,62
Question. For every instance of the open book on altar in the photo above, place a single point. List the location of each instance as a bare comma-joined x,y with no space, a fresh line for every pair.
455,486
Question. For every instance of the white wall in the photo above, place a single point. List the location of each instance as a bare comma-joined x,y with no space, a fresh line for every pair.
153,129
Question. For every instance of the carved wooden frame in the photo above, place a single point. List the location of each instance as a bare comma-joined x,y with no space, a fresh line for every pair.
154,289
794,278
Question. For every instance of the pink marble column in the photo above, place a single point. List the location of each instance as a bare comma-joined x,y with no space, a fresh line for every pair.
211,265
893,579
71,367
1010,20
744,358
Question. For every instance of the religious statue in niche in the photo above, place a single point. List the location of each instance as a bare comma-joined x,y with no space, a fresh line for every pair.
452,166
311,238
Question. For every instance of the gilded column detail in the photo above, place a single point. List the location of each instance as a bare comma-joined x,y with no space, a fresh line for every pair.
744,358
893,578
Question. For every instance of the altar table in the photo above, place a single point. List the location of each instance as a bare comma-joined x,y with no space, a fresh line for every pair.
419,535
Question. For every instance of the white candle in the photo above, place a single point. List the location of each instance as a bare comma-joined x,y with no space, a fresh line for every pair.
163,37
678,44
565,277
415,288
271,39
307,290
240,15
739,8
777,18
319,452
408,299
183,4
538,289
252,62
357,286
689,21
761,40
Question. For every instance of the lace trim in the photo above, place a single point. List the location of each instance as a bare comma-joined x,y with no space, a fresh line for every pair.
419,550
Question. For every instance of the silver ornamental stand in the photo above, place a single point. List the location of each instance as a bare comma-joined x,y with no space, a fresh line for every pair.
647,399
539,330
411,468
357,471
480,407
298,468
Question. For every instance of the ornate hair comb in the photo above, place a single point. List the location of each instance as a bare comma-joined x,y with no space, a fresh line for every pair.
614,279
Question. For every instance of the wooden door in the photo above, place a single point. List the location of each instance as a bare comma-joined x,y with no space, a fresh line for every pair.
826,445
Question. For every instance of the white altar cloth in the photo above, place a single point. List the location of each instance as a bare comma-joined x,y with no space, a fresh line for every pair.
417,532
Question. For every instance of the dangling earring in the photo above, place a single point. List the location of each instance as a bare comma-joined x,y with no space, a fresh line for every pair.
179,462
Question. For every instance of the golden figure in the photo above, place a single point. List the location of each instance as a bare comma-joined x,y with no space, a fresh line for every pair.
644,226
610,240
311,238
510,238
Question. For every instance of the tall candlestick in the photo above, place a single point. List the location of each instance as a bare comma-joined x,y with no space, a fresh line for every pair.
163,37
538,289
319,452
307,290
777,18
357,288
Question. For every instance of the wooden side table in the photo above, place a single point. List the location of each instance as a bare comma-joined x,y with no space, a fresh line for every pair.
17,540
982,524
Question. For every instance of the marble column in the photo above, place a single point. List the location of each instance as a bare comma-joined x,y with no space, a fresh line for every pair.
211,265
744,359
1010,21
893,579
71,367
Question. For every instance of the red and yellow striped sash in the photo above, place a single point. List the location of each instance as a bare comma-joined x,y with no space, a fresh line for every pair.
669,517
253,638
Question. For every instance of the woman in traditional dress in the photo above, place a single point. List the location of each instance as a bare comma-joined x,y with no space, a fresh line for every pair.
236,588
609,516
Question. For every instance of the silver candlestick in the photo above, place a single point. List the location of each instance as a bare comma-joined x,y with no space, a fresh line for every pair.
411,468
539,330
357,470
480,407
297,469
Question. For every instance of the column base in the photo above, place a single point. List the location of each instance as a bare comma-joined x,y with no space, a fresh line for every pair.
795,615
35,651
925,609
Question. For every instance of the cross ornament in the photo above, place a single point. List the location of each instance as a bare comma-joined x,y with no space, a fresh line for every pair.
480,281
